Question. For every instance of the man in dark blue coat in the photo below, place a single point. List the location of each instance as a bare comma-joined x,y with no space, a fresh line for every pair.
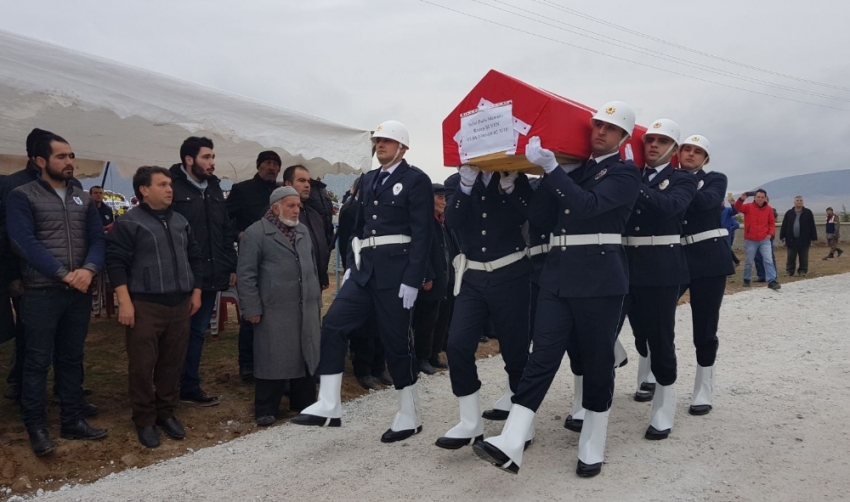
581,288
487,213
709,257
389,253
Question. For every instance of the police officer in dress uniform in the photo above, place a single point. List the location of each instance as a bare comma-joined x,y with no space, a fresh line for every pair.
389,253
487,213
709,255
581,288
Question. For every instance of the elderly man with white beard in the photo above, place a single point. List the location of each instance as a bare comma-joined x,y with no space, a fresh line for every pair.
279,294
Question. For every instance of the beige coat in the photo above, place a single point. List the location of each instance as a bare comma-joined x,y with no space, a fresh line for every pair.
279,283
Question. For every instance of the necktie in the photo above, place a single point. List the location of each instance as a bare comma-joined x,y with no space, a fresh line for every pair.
647,173
382,176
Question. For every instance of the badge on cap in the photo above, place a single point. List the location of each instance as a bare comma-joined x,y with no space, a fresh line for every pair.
700,184
610,110
663,184
656,125
600,174
397,188
78,200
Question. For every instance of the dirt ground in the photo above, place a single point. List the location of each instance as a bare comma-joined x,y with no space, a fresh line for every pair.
105,369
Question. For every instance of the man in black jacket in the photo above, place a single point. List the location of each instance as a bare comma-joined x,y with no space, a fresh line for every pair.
198,197
321,202
298,177
797,232
156,300
247,203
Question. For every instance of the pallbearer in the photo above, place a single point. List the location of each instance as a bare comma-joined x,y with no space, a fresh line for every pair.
709,262
581,287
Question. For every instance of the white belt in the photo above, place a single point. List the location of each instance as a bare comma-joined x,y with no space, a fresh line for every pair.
538,249
461,265
584,240
373,242
704,236
651,240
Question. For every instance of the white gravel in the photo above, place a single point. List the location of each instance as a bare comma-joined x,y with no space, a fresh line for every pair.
778,430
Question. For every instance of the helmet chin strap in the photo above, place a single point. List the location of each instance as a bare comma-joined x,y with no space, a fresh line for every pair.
668,155
395,157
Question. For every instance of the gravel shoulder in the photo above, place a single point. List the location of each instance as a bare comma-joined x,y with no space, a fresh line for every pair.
777,432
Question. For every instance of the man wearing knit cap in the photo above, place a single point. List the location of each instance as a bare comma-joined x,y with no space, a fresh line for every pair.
247,203
279,294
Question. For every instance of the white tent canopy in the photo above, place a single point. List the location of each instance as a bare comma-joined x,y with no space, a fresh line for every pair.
130,117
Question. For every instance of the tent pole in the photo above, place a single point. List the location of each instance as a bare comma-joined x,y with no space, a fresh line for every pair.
105,172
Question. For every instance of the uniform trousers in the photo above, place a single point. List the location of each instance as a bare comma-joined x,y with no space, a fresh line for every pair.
706,297
652,316
504,304
584,328
367,351
268,394
156,350
424,327
350,310
444,321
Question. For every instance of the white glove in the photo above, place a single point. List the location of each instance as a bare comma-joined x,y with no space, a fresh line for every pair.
468,175
507,181
536,154
407,295
345,277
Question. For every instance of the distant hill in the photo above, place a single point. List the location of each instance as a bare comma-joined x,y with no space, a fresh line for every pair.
819,191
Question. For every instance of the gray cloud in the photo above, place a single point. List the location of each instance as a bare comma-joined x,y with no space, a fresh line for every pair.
360,62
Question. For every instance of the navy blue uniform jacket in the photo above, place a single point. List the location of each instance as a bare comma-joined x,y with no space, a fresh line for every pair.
712,257
659,210
590,200
403,204
488,224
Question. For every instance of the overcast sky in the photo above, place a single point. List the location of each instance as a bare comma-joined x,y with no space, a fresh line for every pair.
360,62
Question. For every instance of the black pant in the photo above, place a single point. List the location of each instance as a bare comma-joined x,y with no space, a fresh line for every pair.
585,328
367,351
506,304
246,345
55,320
268,393
795,249
444,320
424,325
352,307
16,322
706,297
652,315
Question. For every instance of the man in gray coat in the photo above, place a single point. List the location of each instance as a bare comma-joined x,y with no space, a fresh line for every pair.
279,294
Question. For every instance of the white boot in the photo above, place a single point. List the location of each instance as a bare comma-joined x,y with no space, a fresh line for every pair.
703,396
407,421
505,450
502,407
663,412
621,357
327,411
591,443
576,417
470,428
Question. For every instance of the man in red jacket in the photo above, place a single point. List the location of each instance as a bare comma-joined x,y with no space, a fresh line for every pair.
759,228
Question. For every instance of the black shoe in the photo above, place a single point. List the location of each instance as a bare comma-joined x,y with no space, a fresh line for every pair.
623,363
483,339
316,420
368,382
81,430
774,285
495,456
90,410
425,367
840,252
199,398
392,436
645,393
88,392
41,443
803,274
588,470
457,443
699,409
384,377
266,420
761,279
246,374
438,363
573,424
13,392
172,427
656,435
148,436
746,284
494,414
